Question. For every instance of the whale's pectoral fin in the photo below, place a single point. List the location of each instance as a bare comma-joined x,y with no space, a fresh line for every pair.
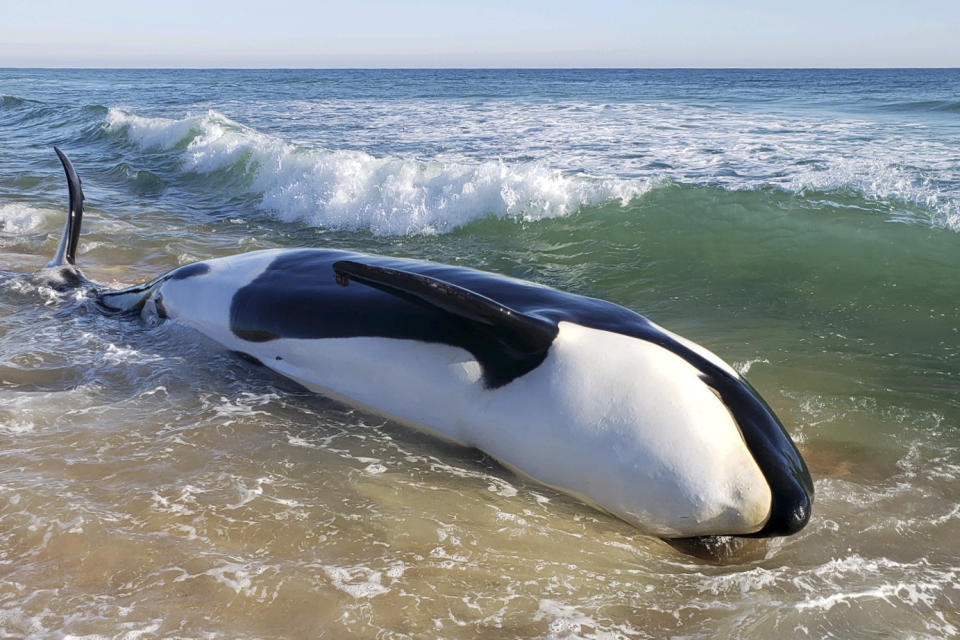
524,339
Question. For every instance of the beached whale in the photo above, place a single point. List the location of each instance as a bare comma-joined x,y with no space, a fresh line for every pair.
577,393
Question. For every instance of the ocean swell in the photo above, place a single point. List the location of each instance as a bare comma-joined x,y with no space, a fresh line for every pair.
352,190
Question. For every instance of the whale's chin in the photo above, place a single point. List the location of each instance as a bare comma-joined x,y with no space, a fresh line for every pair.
722,549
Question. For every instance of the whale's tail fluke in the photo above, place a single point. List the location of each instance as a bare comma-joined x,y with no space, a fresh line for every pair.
67,252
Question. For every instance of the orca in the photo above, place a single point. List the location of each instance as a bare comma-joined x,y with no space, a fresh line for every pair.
576,393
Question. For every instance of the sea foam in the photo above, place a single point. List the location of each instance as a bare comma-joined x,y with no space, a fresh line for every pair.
353,190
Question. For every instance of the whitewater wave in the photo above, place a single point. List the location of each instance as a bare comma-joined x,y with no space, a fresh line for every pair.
353,190
889,185
907,171
395,195
19,218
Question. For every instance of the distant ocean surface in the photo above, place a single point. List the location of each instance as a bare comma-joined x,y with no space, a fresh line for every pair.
802,224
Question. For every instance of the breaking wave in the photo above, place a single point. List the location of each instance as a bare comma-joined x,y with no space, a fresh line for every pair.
18,217
401,195
352,190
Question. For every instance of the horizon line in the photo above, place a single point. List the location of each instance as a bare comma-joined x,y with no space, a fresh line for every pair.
466,68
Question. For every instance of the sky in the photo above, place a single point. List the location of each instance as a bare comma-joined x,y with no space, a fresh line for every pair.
486,33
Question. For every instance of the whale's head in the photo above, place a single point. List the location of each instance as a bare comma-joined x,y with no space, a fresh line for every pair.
764,436
668,437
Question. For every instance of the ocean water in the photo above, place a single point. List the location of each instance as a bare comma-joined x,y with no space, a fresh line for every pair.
803,225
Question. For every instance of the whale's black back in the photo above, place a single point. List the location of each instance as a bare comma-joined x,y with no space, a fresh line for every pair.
298,296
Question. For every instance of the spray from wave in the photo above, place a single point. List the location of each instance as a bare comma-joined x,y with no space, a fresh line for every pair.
351,190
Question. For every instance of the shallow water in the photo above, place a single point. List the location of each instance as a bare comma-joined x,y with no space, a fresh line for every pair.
802,225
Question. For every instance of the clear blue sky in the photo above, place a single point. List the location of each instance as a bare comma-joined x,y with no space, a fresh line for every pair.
484,33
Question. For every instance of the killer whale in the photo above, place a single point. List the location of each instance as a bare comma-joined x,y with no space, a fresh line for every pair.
578,393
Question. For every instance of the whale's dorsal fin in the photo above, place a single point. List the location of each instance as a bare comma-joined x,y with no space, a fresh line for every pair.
67,251
524,337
